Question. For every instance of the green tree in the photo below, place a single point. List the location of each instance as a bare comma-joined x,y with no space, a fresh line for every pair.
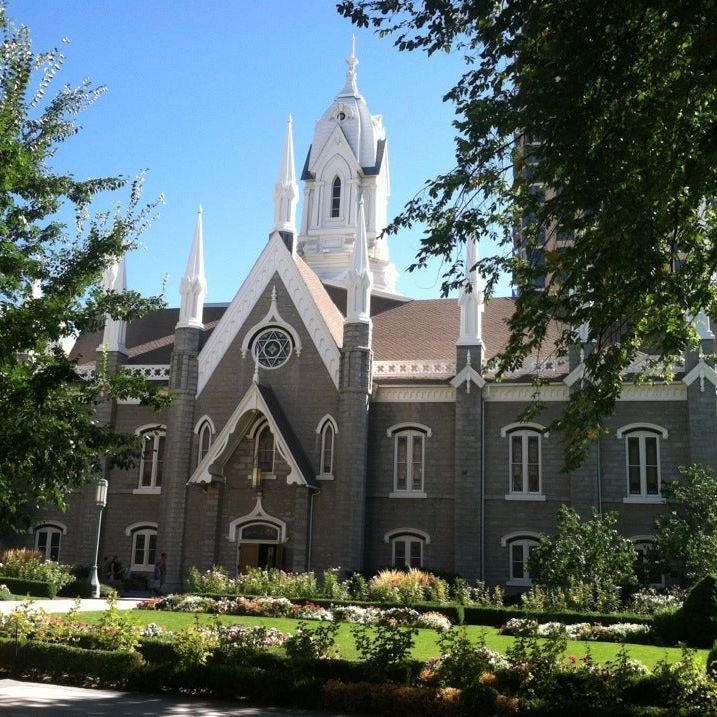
686,538
588,559
622,98
50,441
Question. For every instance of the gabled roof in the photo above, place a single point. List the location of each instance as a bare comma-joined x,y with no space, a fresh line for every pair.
274,259
257,402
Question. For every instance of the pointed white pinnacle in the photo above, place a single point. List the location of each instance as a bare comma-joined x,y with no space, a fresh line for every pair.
286,191
193,286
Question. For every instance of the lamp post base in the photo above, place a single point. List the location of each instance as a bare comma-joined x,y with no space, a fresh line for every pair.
94,582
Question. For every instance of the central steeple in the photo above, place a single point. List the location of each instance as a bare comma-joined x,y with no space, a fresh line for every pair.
347,158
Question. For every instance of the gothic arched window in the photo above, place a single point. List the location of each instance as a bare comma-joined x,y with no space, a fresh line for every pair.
264,448
336,198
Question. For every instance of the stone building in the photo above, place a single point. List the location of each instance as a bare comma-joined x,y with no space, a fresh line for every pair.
321,419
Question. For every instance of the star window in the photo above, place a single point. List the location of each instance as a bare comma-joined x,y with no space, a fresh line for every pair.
272,348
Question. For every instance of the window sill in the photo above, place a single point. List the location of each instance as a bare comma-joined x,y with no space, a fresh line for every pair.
644,499
325,476
525,496
147,490
520,583
407,494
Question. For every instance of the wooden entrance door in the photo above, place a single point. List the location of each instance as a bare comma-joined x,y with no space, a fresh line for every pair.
259,555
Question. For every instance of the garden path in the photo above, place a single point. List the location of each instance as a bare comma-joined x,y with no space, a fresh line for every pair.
28,699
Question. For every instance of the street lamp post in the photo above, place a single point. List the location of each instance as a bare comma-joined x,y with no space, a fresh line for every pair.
101,501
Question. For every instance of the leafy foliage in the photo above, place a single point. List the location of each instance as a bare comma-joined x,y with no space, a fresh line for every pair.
584,119
686,539
588,559
50,442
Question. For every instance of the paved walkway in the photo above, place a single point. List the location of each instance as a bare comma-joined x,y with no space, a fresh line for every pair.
27,699
65,604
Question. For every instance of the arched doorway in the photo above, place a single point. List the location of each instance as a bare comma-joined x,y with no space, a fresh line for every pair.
259,546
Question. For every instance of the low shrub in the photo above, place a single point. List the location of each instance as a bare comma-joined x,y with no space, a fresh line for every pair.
81,588
407,587
23,586
387,643
308,644
698,616
5,593
58,662
31,565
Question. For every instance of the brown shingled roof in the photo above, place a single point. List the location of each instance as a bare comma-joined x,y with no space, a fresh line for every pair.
332,316
429,328
150,339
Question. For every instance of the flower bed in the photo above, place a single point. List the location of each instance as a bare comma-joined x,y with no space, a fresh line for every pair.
617,632
282,607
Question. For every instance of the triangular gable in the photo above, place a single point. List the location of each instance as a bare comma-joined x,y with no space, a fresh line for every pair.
701,371
258,401
336,144
275,258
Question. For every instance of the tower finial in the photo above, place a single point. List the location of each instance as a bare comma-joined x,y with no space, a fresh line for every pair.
351,88
471,301
193,287
359,281
286,192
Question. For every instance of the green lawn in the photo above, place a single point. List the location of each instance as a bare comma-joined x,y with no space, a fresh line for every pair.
425,646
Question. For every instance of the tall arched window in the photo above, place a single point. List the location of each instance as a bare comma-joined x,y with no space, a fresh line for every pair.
264,448
336,198
151,462
327,449
205,441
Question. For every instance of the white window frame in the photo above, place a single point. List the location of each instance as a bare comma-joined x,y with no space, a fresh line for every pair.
407,536
525,431
411,432
147,532
526,540
339,212
49,529
642,431
158,432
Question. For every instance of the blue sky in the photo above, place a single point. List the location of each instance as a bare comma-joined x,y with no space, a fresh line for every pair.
199,94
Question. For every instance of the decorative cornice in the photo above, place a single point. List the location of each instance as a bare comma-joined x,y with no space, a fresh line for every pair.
274,259
524,392
152,372
436,368
654,392
414,394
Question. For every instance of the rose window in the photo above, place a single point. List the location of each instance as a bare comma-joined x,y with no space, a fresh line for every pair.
272,348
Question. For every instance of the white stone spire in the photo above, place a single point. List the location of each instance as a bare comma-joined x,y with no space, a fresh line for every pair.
193,287
471,301
286,191
115,280
702,324
351,88
358,277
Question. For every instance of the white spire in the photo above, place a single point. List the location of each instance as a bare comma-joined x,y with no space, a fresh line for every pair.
115,280
286,191
358,277
702,324
351,88
193,287
471,301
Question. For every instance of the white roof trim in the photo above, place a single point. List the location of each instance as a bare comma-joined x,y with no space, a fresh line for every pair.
575,375
252,401
702,371
274,259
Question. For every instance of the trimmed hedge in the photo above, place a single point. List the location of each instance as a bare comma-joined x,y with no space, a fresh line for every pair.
82,589
497,616
36,588
57,661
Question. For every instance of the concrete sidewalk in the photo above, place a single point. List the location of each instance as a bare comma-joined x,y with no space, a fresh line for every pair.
66,604
28,699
